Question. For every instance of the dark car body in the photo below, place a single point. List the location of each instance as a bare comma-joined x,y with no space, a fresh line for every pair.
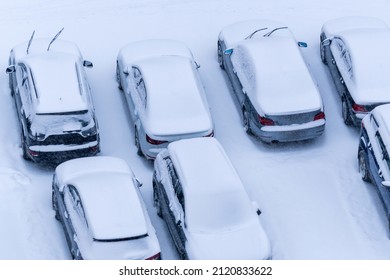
53,101
373,153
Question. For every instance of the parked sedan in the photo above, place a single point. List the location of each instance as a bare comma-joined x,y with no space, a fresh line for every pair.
53,100
276,94
102,211
356,51
164,93
200,196
373,153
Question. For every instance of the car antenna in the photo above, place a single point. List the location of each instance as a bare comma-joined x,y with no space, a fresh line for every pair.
29,42
272,31
55,37
254,32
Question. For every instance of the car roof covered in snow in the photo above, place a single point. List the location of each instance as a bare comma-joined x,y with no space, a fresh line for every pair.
111,205
109,196
334,26
274,75
140,50
239,31
57,82
90,165
215,198
176,102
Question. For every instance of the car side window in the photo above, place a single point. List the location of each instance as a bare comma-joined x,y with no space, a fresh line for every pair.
24,85
175,182
384,153
343,58
140,85
76,202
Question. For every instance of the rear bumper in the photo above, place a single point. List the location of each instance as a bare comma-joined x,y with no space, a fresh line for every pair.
54,154
289,133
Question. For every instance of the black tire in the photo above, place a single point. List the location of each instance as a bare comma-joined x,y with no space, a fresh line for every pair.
24,148
363,170
245,121
322,49
137,143
345,112
156,201
118,77
220,56
55,206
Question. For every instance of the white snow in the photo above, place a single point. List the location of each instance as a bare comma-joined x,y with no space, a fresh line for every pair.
176,102
275,76
314,204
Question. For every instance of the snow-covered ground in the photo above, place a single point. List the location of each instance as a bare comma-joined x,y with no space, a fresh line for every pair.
314,204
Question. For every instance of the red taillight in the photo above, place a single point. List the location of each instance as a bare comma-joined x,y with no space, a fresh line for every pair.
155,257
359,108
153,141
319,116
265,121
33,153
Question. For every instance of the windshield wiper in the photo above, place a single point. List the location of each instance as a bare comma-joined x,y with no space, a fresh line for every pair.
272,31
254,32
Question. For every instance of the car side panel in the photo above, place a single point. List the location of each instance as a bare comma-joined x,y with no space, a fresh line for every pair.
236,84
169,219
374,170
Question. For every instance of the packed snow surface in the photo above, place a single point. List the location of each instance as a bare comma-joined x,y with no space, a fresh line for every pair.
314,204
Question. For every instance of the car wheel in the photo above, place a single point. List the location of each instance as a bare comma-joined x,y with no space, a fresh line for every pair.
24,148
137,143
76,255
55,206
156,201
245,119
220,56
345,112
322,50
363,169
118,77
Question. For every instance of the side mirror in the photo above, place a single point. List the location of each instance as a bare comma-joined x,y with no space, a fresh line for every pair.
386,184
302,44
228,51
197,65
10,69
87,64
126,71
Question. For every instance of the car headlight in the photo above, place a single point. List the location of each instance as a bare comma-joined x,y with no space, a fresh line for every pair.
89,131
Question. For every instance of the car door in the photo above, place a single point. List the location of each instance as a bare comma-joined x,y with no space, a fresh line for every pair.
136,95
73,222
175,198
383,172
231,72
339,65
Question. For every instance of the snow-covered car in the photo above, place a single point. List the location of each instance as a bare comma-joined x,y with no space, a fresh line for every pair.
373,153
53,100
102,211
356,51
277,96
199,194
164,94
